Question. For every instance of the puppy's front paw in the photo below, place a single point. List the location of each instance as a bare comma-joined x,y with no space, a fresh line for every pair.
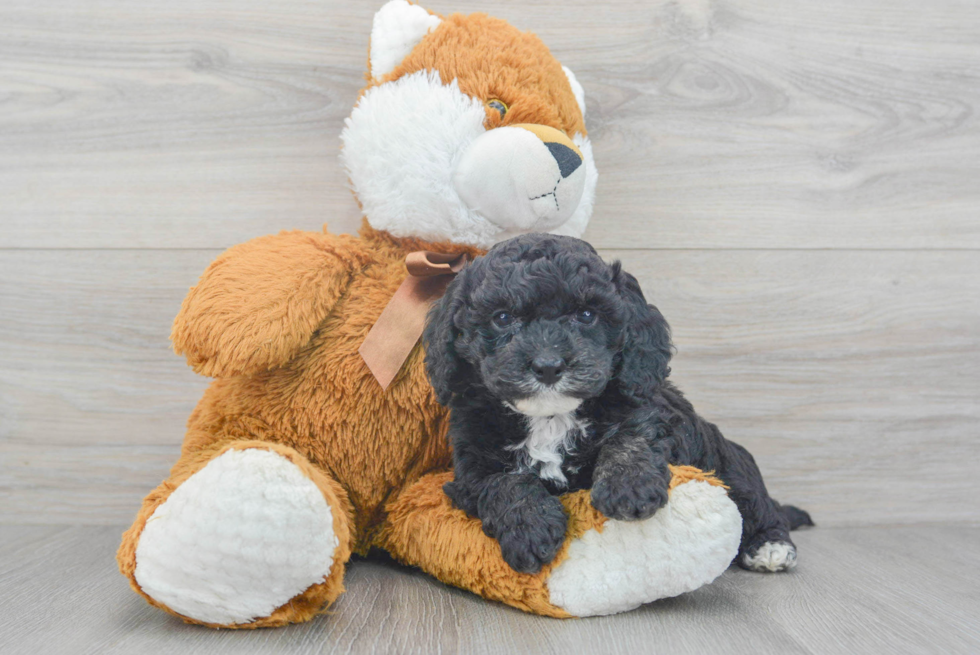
530,536
459,496
631,495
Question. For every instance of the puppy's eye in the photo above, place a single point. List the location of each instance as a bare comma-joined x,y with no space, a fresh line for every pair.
586,316
498,105
503,319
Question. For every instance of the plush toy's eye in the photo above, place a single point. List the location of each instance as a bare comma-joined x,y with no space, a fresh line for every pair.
586,316
498,105
503,319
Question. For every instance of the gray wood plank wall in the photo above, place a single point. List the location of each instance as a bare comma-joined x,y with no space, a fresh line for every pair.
796,184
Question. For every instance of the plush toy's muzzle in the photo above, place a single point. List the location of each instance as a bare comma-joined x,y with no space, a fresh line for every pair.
522,177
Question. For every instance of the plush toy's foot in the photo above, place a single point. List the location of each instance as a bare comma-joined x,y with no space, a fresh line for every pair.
605,566
620,565
252,538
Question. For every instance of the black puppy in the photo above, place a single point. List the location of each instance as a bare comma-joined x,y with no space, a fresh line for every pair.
555,370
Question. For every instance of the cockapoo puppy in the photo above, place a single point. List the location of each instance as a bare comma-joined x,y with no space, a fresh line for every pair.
555,370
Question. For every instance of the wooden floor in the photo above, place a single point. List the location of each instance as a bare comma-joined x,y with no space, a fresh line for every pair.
796,184
857,590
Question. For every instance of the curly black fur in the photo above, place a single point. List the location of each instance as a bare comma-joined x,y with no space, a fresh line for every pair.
540,301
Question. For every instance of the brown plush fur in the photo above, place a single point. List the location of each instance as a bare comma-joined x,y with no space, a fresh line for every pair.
278,322
323,293
492,59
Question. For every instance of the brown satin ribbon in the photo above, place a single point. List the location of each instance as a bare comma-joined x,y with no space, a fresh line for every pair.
400,325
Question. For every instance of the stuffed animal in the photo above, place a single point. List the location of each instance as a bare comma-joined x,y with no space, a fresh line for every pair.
468,132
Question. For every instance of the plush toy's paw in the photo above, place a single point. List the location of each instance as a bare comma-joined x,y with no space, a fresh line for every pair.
770,557
604,566
618,565
237,540
631,495
531,535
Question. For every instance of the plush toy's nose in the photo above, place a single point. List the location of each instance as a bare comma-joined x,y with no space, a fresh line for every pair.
567,160
563,149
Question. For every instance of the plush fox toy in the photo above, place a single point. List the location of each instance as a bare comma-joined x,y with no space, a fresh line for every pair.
468,132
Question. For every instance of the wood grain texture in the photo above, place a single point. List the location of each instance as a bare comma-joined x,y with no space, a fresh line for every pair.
717,124
92,399
856,590
853,377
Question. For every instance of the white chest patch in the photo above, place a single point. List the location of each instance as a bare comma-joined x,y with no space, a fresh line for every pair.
548,440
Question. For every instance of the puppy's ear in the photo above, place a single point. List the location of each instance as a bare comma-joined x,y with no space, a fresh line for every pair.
442,363
646,342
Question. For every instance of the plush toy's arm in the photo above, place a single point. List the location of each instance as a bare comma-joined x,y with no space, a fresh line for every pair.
261,301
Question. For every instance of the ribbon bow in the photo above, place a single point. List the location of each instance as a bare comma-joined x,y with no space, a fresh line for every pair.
400,325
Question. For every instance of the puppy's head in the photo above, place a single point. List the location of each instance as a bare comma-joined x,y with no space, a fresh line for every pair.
542,323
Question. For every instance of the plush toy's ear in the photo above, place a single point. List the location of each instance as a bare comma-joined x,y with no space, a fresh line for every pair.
398,27
646,347
442,362
576,88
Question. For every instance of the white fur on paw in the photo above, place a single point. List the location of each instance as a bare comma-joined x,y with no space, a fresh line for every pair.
237,540
688,543
772,556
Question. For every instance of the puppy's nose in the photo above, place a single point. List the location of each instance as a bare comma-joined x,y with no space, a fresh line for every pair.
548,369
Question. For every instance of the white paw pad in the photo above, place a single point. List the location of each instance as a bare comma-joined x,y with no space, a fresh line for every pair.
688,543
237,540
772,556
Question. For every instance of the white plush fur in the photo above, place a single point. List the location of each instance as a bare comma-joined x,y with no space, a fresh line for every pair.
509,176
548,439
688,543
772,556
575,226
398,27
237,540
576,89
402,145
